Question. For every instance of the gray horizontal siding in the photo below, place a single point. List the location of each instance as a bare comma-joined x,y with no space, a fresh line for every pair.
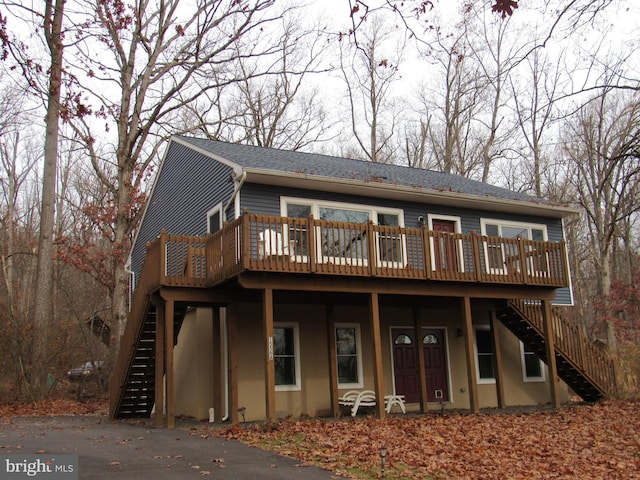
186,188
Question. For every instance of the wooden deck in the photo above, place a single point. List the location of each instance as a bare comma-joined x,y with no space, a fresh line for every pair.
310,246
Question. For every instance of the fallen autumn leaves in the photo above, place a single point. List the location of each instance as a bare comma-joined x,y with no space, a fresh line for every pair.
599,441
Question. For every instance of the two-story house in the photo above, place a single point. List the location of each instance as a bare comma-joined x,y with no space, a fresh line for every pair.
269,282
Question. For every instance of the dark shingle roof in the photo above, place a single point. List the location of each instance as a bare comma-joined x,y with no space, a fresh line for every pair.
270,159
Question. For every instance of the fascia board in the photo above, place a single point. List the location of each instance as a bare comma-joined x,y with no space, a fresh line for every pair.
236,168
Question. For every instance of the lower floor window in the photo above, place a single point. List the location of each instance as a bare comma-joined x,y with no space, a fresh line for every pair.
286,356
348,355
532,368
484,355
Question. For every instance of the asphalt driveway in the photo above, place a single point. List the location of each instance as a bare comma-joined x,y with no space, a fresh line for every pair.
137,450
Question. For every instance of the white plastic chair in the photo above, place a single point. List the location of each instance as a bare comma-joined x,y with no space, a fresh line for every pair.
391,400
366,398
270,243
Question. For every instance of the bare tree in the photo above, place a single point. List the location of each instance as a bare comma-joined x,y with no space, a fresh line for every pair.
534,103
601,148
370,69
18,157
148,60
272,103
451,105
48,88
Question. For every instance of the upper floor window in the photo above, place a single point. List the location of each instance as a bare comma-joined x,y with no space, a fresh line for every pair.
214,219
347,242
504,256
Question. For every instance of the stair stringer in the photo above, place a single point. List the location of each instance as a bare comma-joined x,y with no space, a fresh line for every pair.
584,367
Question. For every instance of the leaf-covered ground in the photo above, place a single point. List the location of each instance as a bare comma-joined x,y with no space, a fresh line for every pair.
54,407
599,441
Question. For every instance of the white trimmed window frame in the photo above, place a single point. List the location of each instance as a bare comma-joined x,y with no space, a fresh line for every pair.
512,224
211,213
360,382
530,379
371,210
296,355
483,381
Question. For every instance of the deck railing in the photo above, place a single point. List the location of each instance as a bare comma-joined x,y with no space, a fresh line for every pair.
308,245
150,279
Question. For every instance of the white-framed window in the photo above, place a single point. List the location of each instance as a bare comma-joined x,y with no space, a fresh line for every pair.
345,245
532,366
286,356
485,363
348,355
504,257
214,219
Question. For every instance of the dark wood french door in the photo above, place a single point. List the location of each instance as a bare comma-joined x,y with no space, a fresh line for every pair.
435,361
405,364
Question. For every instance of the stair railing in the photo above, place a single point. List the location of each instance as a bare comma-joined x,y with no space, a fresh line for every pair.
150,278
592,362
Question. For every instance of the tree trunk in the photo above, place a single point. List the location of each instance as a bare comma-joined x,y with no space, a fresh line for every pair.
44,271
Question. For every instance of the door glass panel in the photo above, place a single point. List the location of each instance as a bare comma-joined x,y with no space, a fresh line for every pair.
403,339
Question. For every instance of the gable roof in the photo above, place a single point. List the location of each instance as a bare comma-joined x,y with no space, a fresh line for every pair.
328,173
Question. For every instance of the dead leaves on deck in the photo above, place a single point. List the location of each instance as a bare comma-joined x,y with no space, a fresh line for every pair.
599,441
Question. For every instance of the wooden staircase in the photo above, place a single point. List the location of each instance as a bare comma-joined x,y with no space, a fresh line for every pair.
584,367
137,396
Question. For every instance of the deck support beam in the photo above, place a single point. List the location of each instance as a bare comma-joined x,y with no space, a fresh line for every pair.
159,366
374,314
549,341
497,349
169,313
467,323
269,364
422,369
232,363
218,382
333,362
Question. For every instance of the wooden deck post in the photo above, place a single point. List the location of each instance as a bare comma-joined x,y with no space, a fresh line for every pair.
333,362
470,354
374,313
497,349
232,334
218,382
549,341
159,375
269,364
168,322
422,369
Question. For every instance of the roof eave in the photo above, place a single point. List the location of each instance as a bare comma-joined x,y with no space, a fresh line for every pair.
406,193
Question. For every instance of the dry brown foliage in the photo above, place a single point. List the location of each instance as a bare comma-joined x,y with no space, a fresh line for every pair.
600,441
54,407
